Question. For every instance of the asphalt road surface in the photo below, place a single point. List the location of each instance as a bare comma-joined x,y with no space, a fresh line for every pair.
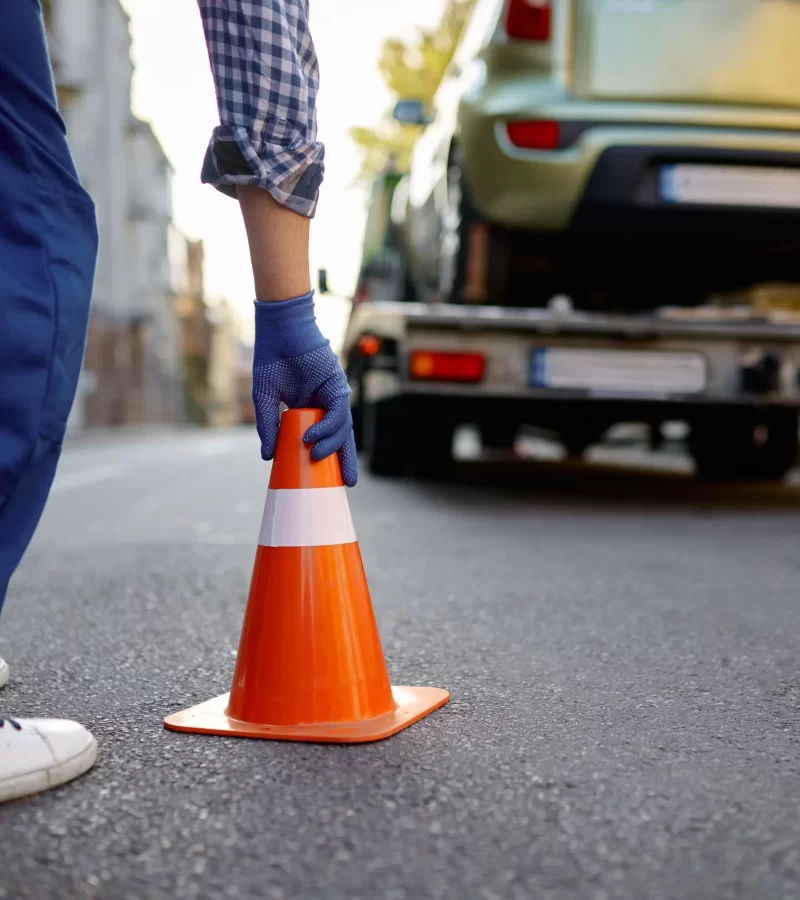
622,647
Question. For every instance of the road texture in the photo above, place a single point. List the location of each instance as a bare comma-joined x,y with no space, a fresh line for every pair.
621,645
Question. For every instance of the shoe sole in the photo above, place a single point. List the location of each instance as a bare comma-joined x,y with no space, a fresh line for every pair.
3,673
35,782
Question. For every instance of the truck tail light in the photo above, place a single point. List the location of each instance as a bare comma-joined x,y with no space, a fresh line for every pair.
528,20
537,135
369,345
431,365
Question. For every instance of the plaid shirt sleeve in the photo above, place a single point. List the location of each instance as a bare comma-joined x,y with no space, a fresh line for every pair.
266,75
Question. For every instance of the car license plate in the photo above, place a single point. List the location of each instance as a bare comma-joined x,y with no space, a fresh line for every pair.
618,372
731,186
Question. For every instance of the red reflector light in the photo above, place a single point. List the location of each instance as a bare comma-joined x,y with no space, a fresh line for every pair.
433,366
368,345
528,20
540,135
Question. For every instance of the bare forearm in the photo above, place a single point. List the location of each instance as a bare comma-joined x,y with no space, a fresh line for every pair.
265,150
278,239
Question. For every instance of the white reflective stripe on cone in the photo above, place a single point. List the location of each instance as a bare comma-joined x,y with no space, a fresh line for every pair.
306,517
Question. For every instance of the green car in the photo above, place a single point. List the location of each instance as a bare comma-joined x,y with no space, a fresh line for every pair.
625,154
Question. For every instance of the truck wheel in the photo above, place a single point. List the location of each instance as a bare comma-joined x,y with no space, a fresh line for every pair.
355,379
357,412
752,446
384,435
457,223
432,455
498,435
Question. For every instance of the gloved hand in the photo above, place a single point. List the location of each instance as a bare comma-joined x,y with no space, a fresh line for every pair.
294,364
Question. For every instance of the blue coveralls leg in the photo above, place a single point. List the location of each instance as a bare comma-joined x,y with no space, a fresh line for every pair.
48,249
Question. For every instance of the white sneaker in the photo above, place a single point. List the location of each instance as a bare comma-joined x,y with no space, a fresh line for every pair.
36,754
3,672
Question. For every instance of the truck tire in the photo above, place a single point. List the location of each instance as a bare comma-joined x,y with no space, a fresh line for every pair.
748,446
432,453
358,426
384,437
357,412
458,218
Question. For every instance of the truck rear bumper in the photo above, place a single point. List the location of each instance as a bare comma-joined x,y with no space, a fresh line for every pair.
542,398
707,362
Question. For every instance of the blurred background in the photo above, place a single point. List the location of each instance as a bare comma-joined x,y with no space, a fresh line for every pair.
568,217
171,326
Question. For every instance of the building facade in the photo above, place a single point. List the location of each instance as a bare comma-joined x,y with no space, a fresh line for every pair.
132,370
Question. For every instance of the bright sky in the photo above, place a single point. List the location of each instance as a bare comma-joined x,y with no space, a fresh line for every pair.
173,90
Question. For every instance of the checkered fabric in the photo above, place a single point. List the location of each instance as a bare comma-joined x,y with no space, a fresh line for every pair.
266,74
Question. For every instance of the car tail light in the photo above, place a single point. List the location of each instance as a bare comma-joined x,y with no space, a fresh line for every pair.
362,294
539,135
528,20
428,365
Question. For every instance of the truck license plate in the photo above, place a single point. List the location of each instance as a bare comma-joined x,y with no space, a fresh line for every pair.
731,186
618,372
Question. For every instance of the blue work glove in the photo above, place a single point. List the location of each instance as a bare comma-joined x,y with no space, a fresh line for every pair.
294,364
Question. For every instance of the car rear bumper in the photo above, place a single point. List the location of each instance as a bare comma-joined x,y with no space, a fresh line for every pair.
623,195
604,176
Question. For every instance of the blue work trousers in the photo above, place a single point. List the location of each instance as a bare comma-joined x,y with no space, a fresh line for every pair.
48,249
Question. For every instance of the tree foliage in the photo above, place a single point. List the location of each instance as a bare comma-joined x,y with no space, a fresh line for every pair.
412,71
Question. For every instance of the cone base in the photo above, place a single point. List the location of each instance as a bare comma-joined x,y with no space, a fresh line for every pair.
413,703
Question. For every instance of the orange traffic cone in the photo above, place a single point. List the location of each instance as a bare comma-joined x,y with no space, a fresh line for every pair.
310,664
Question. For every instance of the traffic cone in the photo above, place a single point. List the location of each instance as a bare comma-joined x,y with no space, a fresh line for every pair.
310,665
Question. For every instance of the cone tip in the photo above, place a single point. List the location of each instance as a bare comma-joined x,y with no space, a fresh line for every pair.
302,417
293,467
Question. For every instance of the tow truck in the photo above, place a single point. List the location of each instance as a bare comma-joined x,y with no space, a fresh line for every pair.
596,191
419,369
